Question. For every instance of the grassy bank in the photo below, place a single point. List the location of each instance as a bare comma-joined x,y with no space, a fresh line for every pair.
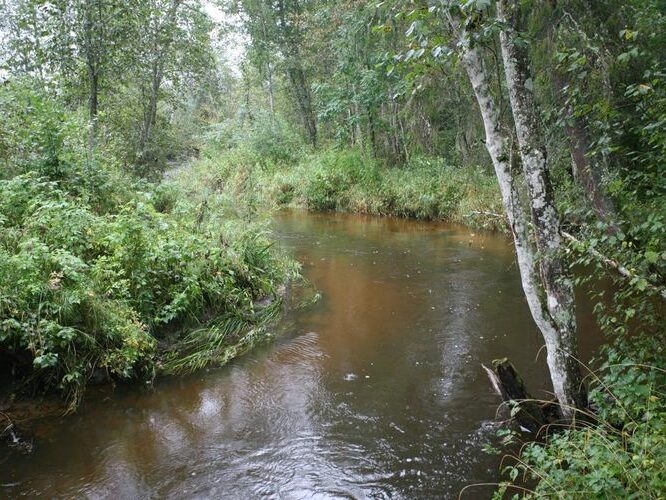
351,181
106,276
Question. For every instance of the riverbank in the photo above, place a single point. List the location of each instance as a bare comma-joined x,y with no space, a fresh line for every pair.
105,276
424,188
158,284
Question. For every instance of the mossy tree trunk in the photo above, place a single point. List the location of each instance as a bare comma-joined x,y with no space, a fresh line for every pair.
535,225
558,318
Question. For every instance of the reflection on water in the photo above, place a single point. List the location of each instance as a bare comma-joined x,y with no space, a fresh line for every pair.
374,392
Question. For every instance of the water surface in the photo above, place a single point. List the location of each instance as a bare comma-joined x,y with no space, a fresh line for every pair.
376,391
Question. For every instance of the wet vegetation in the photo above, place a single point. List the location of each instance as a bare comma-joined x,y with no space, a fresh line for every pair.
139,157
103,274
347,180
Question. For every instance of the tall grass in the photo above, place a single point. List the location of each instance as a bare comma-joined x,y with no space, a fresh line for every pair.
351,181
224,339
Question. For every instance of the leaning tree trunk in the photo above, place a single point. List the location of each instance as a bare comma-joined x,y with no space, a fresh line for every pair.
564,376
498,146
559,328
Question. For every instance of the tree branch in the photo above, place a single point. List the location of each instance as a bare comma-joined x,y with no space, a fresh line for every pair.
623,271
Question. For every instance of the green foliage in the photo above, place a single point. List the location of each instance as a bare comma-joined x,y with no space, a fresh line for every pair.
98,270
425,188
38,135
351,181
618,452
133,69
331,176
267,141
56,304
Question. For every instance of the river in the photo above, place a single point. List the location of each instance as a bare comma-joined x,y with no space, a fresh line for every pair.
375,391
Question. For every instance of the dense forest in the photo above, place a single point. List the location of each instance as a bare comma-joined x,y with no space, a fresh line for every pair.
144,145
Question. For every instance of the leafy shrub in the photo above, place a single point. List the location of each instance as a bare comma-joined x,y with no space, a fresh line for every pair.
269,140
101,271
80,290
273,141
51,308
38,135
619,451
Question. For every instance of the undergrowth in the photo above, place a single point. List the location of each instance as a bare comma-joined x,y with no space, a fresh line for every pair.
351,181
106,275
616,448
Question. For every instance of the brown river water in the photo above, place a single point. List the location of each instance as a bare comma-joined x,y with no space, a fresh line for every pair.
375,391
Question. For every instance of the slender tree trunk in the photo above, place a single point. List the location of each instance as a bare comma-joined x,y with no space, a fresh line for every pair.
157,75
357,130
371,129
560,329
93,99
395,132
36,33
498,146
271,92
92,64
150,115
269,69
303,100
586,170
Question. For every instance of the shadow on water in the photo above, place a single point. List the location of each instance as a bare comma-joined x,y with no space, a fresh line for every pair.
376,391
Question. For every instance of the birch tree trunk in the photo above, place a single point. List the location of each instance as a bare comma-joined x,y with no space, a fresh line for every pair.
543,300
559,328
